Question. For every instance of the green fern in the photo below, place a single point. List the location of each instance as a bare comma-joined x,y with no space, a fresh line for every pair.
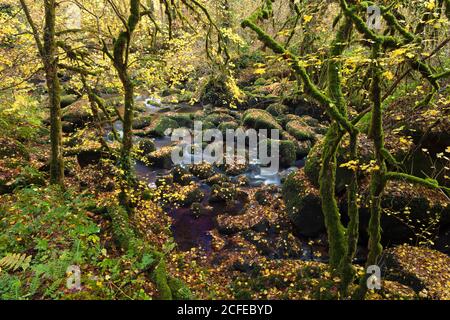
15,261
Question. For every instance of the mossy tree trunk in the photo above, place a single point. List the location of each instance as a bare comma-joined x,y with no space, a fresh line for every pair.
123,231
342,240
120,59
48,52
378,176
127,240
54,91
327,178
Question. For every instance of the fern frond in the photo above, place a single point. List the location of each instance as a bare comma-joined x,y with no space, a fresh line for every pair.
15,261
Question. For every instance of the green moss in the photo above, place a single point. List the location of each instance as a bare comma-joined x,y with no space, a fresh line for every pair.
327,181
260,119
303,204
202,170
300,130
11,148
314,163
260,82
277,109
161,158
218,179
179,289
287,151
229,125
192,195
160,278
123,233
146,146
218,91
184,120
223,193
67,100
161,125
142,122
218,118
208,125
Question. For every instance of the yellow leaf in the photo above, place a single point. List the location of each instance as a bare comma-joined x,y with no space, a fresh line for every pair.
398,52
307,18
388,75
431,5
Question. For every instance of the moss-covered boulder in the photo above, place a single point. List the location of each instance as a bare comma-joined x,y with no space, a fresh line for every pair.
303,204
424,270
221,90
223,193
259,119
300,130
277,109
228,125
202,171
262,196
178,174
235,168
217,118
208,125
291,117
146,146
11,148
191,194
229,224
411,213
162,158
67,100
142,122
302,148
343,175
217,179
310,121
287,151
91,156
68,127
184,120
393,290
78,113
260,82
160,127
164,181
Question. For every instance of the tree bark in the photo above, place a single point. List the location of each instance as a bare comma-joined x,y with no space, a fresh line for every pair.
50,61
48,53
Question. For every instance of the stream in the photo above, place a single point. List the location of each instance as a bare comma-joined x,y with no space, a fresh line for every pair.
191,230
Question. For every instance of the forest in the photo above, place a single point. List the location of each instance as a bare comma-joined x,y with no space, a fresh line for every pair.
224,150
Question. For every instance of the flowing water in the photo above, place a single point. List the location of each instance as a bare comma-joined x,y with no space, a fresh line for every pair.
190,230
